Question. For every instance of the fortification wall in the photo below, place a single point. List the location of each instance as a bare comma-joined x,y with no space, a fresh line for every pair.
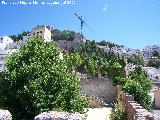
101,88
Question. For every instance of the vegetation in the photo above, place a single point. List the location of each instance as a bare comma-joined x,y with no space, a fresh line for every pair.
109,44
141,96
73,61
119,113
62,35
154,63
137,60
19,36
98,62
37,80
156,53
138,85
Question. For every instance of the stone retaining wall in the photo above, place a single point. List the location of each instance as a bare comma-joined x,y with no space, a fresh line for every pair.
101,88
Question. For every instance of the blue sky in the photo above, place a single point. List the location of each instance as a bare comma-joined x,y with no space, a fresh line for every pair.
133,23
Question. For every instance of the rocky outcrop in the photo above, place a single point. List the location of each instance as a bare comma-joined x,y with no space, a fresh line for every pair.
5,115
53,115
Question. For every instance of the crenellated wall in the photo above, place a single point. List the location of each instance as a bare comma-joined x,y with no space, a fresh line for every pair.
134,110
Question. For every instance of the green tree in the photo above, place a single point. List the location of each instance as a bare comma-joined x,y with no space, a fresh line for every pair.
155,53
36,80
73,61
109,44
139,86
18,37
154,63
56,34
134,88
141,76
137,60
91,66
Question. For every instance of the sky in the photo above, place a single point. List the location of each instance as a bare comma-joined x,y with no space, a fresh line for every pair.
132,23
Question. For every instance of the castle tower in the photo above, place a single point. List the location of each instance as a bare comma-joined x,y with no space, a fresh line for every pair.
43,31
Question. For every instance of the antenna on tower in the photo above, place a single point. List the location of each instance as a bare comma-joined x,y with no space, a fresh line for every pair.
82,24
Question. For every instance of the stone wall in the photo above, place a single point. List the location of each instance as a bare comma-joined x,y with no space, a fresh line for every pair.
5,115
101,88
53,115
134,110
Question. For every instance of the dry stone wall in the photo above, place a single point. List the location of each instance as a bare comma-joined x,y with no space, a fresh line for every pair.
101,88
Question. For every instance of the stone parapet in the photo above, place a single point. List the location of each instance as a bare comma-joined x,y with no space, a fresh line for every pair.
134,110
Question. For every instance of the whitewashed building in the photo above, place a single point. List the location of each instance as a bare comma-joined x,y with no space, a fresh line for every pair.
5,50
8,46
153,73
148,50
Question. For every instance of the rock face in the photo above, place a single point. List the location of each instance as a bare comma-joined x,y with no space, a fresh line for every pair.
5,115
53,115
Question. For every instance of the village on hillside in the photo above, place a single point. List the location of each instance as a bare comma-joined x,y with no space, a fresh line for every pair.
98,88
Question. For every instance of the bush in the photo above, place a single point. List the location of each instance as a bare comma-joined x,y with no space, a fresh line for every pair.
119,81
119,113
37,80
140,95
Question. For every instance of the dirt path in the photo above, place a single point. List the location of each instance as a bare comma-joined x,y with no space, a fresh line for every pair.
99,113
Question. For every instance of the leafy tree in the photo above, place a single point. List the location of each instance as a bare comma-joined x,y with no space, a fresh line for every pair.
114,69
154,63
19,36
109,44
56,34
119,81
137,60
37,80
155,53
73,60
62,35
139,86
104,63
141,76
134,88
91,66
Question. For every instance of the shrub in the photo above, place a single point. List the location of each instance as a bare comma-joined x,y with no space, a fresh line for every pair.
140,95
119,113
36,80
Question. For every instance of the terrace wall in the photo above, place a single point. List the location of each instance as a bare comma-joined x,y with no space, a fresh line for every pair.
134,110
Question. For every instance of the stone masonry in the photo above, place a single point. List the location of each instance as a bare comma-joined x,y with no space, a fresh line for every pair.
101,88
134,110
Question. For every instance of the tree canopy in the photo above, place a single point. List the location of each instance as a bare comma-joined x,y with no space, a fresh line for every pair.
154,63
156,53
139,85
62,35
37,80
136,59
99,62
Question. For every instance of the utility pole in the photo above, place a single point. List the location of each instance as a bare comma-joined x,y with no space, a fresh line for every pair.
82,24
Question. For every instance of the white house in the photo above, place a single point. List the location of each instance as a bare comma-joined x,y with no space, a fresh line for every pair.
148,50
3,55
4,41
8,46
